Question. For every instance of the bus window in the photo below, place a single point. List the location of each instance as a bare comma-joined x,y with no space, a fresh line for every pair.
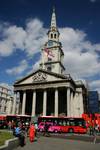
72,123
80,123
60,123
55,122
67,123
64,123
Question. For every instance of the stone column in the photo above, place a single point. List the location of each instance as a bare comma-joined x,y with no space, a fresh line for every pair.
68,102
76,105
72,105
44,102
81,104
20,103
34,103
56,102
3,105
9,106
14,105
18,107
24,103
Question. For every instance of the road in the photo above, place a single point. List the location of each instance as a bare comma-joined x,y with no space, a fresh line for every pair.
60,143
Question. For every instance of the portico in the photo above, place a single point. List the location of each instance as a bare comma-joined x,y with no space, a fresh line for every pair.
45,98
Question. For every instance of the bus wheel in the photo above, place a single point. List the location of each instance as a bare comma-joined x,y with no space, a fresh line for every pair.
70,130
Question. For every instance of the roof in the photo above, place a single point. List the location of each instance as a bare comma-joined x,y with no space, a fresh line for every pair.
67,76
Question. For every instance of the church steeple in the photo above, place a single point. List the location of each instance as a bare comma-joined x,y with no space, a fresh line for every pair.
52,53
53,33
53,19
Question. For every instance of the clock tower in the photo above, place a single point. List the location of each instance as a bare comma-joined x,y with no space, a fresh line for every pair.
52,54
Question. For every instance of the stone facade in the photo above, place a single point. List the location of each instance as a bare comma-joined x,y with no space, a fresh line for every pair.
48,91
6,100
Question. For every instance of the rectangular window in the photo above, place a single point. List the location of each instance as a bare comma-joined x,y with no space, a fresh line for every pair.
49,67
49,59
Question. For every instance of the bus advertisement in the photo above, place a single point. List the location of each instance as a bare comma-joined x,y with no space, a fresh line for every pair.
62,124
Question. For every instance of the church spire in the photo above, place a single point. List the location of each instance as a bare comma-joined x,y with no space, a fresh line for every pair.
53,19
53,33
52,53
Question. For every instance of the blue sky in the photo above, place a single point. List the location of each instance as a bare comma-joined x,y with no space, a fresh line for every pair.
23,28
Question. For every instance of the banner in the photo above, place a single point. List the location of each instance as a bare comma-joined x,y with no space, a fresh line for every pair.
49,53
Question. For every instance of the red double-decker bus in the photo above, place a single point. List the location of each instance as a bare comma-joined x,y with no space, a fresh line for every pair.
63,124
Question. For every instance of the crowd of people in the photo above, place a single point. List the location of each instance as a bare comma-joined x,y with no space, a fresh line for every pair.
22,132
29,129
93,126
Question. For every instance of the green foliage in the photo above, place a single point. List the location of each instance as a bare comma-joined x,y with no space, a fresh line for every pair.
5,135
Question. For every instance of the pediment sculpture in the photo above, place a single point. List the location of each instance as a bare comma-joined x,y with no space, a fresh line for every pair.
40,76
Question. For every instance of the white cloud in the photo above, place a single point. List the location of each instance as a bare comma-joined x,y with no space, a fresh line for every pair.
13,38
35,36
29,39
36,65
19,69
95,85
80,60
83,65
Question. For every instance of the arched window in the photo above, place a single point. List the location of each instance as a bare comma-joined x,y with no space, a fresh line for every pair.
55,36
51,36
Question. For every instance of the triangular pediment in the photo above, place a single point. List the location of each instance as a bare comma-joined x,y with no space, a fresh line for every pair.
40,76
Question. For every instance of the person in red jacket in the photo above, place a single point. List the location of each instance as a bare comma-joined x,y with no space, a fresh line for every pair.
32,132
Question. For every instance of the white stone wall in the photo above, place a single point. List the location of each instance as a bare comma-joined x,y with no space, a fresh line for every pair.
57,57
5,101
78,103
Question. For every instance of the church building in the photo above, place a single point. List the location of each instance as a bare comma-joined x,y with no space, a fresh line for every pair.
48,90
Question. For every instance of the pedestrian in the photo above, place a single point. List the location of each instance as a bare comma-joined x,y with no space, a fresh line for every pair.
22,138
32,132
46,127
27,128
17,131
91,130
13,124
9,125
95,137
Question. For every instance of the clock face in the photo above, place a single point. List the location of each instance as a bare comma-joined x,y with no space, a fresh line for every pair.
50,43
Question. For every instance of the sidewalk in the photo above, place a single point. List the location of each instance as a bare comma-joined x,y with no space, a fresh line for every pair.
51,143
